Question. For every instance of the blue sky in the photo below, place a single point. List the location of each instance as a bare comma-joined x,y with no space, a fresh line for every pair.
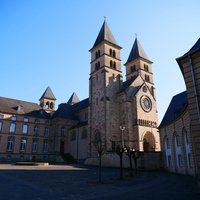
45,43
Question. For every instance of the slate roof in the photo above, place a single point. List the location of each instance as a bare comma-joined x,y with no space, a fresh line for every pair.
80,105
15,107
176,107
48,94
105,35
127,83
137,52
67,111
64,111
195,48
73,99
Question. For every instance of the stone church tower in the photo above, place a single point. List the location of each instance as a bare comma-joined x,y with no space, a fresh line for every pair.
105,84
120,112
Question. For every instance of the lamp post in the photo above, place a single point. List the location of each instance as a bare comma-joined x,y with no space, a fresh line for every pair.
122,128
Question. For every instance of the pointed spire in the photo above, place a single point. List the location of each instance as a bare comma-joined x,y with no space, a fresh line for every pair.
137,51
73,99
105,34
48,94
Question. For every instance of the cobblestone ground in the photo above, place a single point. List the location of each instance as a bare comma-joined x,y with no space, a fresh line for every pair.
81,182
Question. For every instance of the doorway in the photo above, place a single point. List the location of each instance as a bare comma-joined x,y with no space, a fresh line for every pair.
62,146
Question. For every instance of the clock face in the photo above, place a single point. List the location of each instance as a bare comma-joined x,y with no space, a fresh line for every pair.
146,103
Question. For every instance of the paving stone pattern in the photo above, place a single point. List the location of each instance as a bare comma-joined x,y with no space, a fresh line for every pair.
72,182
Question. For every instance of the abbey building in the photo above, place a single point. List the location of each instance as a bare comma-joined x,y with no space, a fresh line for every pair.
119,111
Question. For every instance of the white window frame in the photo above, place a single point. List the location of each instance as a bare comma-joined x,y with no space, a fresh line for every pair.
46,131
23,145
10,144
45,146
12,127
34,146
24,129
36,130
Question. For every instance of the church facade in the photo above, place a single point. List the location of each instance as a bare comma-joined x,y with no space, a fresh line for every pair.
117,111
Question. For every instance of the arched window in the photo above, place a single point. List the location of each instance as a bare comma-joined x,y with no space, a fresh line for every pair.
114,65
47,104
180,160
178,152
168,143
97,136
177,140
73,135
62,131
114,54
96,55
24,129
169,161
131,69
186,148
51,105
84,133
111,63
110,52
12,127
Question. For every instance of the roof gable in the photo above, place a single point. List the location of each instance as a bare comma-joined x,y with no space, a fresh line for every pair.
48,94
137,52
73,99
105,34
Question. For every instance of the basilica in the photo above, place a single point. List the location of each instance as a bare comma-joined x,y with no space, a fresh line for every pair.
119,111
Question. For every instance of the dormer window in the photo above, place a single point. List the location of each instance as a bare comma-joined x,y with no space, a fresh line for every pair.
37,121
20,107
41,112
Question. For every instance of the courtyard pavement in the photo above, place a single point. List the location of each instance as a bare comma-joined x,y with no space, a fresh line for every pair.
63,182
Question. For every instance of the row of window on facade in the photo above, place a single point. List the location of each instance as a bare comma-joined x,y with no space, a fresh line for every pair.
26,119
111,53
23,145
179,149
133,68
112,65
73,134
36,128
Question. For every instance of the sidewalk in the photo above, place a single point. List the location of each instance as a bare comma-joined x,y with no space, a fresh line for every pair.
81,182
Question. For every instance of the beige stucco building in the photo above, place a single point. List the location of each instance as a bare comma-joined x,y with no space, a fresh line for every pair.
119,111
180,128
